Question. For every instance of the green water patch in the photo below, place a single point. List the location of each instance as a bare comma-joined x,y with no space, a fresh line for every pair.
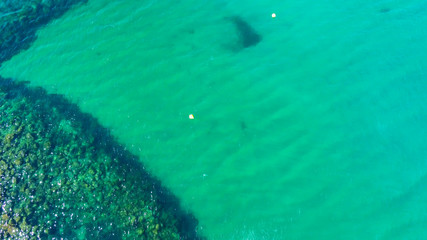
316,132
65,176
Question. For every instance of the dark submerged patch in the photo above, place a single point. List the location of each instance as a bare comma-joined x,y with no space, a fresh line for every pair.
384,10
20,20
248,37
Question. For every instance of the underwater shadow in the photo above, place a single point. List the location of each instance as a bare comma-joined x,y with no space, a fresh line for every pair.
247,36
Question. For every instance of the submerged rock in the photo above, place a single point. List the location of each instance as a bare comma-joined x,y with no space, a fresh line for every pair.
20,19
247,36
64,176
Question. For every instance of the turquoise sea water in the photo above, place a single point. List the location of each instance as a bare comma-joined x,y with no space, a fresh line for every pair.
317,132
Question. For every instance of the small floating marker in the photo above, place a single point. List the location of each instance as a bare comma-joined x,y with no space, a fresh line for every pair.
191,116
273,15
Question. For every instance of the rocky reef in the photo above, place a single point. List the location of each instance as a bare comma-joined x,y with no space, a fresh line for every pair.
20,19
63,176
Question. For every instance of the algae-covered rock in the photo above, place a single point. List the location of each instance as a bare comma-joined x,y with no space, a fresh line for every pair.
56,185
19,20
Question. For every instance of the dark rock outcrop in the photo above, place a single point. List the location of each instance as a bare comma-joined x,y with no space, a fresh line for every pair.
20,19
65,176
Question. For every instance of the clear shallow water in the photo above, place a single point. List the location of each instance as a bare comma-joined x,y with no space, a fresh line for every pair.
316,132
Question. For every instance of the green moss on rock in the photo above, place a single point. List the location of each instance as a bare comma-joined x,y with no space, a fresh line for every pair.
20,19
63,175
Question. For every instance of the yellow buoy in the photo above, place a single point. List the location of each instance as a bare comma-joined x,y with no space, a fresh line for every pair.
191,116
